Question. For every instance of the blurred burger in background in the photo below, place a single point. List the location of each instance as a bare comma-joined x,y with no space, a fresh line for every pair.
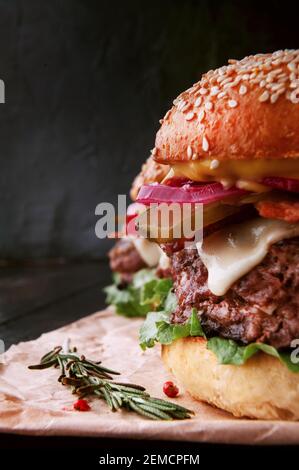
229,320
140,267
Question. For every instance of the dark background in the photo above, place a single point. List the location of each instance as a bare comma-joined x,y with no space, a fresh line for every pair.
86,83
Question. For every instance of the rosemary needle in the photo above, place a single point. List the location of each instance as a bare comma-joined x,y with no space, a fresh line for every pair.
86,377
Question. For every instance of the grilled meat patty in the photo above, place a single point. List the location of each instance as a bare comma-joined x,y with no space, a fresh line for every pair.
261,306
125,259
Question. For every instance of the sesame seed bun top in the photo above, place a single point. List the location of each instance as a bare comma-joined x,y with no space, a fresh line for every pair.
248,109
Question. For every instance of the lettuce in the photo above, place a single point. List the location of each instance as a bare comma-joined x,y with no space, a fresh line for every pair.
157,326
230,352
146,293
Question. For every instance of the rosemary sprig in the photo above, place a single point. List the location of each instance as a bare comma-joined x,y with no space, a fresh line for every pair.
88,377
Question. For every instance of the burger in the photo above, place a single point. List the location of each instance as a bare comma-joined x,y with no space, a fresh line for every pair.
141,279
229,323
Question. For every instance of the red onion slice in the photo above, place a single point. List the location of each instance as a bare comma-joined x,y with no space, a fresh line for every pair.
188,193
285,184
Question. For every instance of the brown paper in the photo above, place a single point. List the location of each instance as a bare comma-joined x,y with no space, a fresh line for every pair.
33,402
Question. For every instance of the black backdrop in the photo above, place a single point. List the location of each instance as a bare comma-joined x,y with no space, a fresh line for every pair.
86,83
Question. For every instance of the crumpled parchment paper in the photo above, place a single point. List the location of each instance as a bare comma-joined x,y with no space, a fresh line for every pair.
33,402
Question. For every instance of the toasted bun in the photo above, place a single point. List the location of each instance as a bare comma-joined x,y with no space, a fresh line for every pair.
151,172
246,110
262,388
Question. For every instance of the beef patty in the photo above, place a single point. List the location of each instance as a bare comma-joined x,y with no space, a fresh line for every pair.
261,306
125,259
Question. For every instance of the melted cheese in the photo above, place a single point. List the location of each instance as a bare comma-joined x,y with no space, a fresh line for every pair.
164,262
233,251
233,171
150,252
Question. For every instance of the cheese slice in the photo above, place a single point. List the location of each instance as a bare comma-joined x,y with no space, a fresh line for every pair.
150,252
233,171
164,262
233,251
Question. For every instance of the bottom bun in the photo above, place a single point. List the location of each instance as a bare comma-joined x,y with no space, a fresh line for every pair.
262,388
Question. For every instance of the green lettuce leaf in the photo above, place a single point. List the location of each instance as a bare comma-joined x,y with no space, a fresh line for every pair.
146,293
230,352
157,326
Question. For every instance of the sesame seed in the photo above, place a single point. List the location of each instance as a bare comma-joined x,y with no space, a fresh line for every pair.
226,80
277,75
194,156
181,104
256,81
214,90
203,91
198,102
154,151
280,91
161,121
276,72
294,96
186,107
205,144
242,90
189,151
269,79
167,115
277,86
264,96
227,85
294,84
293,76
287,58
214,164
208,105
282,79
201,115
191,90
232,103
291,66
235,82
274,98
190,116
